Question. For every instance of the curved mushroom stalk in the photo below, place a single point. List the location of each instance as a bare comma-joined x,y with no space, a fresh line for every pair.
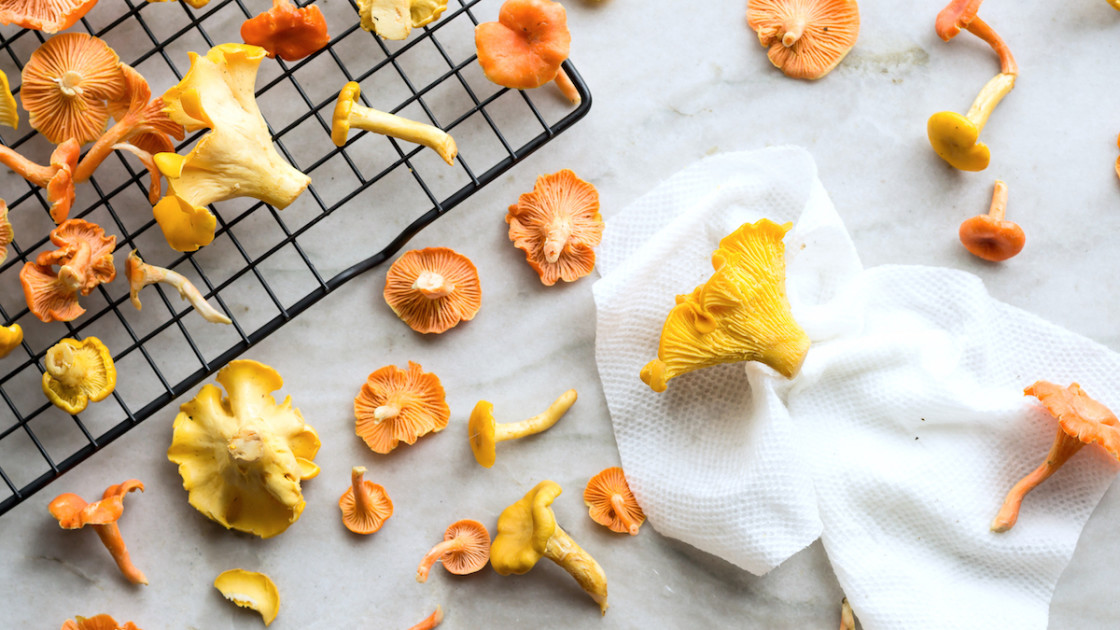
484,432
348,112
465,549
1063,448
73,512
57,178
564,551
140,274
236,159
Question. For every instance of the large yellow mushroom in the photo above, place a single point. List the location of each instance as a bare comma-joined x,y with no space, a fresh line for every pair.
236,159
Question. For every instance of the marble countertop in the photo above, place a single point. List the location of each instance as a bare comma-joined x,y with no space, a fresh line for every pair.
671,84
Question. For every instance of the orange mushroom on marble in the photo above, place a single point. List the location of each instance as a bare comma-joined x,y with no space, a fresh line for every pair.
611,503
396,405
97,622
465,549
525,47
990,236
73,512
806,39
557,225
85,260
49,16
1081,421
365,505
287,31
433,289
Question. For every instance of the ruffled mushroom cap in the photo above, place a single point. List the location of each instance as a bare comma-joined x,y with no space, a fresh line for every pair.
9,112
611,503
66,84
805,38
6,233
85,260
396,405
525,47
249,589
365,505
287,31
395,19
557,226
73,512
78,373
242,456
10,338
97,622
465,549
740,314
433,289
236,159
49,16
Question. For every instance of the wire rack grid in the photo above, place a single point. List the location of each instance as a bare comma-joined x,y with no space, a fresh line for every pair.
366,200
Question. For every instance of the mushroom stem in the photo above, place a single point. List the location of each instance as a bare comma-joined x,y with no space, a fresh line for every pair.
433,285
361,496
141,274
155,188
437,552
61,363
110,536
1064,447
25,168
564,551
618,504
246,447
999,201
564,82
981,29
539,422
793,31
990,95
404,129
104,147
431,621
556,238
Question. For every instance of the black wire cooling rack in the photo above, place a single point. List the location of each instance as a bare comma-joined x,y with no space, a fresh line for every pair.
264,266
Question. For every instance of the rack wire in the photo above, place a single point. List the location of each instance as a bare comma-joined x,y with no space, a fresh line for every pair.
264,266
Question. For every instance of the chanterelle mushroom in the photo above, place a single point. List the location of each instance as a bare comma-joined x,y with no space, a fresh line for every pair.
242,456
141,274
433,289
611,503
78,373
806,39
740,314
557,225
84,258
236,159
250,589
527,530
484,433
287,31
465,549
349,113
990,236
395,19
365,505
73,512
396,405
525,47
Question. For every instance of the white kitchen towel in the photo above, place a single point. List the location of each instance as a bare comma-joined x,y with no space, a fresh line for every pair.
895,444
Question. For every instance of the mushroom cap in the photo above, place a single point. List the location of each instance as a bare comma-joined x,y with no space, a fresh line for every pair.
340,121
395,19
525,47
287,31
73,512
428,315
9,112
805,38
186,227
524,530
1079,415
89,357
6,233
10,337
249,589
599,499
475,552
83,250
992,239
418,400
956,15
97,622
49,16
480,432
956,140
153,129
557,225
379,507
66,84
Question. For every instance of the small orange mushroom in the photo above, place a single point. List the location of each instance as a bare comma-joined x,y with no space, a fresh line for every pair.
73,512
431,621
85,260
433,289
57,178
465,549
1081,421
66,85
962,14
98,622
557,226
806,39
525,47
990,236
365,505
396,405
49,16
6,233
611,503
287,31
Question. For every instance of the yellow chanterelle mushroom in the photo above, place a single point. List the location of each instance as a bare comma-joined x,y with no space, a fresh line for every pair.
242,456
78,373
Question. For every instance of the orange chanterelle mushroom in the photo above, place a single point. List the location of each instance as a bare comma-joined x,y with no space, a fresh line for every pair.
525,47
398,405
49,16
465,549
85,260
97,622
805,38
365,505
73,512
1081,421
557,226
433,289
610,502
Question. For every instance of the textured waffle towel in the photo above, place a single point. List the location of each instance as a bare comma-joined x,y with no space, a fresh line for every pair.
896,443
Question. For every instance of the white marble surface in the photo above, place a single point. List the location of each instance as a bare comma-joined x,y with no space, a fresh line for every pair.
671,84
